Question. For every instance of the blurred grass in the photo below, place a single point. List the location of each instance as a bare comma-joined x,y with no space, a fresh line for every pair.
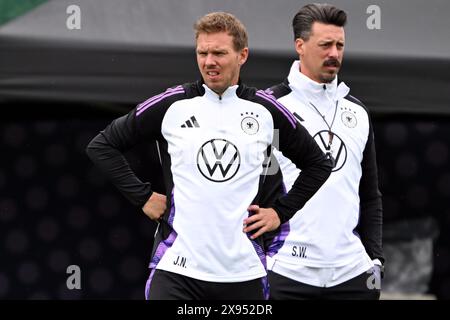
10,9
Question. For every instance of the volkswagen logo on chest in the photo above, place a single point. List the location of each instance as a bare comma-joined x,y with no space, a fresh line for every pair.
218,160
333,146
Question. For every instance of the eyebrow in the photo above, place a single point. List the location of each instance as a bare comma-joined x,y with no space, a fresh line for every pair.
215,51
331,41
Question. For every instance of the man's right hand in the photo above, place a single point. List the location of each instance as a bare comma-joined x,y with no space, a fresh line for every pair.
155,206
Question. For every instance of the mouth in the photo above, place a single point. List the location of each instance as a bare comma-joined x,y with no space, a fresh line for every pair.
213,75
331,69
332,64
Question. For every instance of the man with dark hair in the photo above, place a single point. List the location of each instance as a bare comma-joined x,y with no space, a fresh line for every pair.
213,135
332,247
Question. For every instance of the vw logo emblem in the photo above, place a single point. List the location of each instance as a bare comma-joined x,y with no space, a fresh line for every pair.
337,150
218,160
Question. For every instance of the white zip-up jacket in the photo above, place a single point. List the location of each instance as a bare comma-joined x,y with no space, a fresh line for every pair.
213,149
341,224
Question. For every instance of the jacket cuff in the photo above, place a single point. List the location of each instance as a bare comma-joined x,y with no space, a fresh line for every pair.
281,215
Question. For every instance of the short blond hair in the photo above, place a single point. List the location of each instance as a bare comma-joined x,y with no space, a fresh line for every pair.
222,21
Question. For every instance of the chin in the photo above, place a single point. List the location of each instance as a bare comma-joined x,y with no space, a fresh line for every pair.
216,89
328,78
211,84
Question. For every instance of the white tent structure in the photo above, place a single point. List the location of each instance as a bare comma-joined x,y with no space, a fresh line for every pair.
125,51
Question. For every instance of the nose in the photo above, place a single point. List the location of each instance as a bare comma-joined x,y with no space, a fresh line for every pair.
334,52
210,61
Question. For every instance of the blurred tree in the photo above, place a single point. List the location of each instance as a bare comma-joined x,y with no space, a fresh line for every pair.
10,9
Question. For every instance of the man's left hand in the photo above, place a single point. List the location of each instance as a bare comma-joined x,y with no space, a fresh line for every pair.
263,219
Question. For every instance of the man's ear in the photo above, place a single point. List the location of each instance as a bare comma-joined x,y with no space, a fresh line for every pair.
300,46
243,56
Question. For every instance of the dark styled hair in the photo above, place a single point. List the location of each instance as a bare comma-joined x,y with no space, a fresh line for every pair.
316,12
223,21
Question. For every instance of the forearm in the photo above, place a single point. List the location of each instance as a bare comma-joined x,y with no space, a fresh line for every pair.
371,227
371,208
116,168
306,185
315,168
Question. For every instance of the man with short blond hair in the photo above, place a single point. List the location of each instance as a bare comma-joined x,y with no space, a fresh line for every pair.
213,135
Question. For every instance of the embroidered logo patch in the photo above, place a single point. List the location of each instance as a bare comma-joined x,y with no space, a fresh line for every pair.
249,124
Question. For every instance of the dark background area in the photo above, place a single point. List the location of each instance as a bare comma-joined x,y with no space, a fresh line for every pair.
57,210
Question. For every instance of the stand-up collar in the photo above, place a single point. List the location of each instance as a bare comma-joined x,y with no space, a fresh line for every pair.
312,90
230,92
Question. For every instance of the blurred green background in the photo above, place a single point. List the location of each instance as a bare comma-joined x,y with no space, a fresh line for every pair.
9,9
